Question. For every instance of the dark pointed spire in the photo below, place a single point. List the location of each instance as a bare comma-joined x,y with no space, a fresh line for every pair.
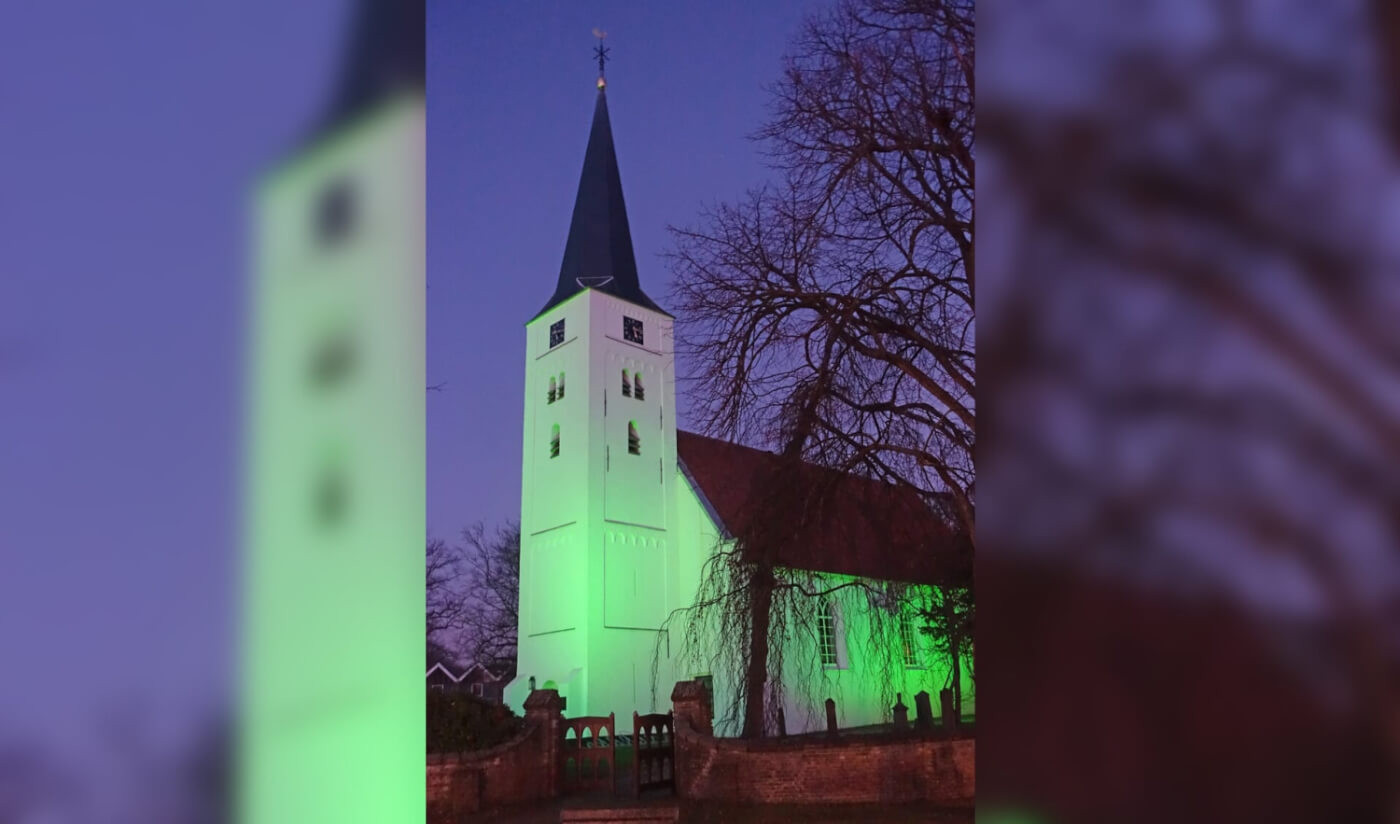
598,253
384,54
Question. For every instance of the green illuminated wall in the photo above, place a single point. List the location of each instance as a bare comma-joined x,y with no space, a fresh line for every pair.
859,685
332,636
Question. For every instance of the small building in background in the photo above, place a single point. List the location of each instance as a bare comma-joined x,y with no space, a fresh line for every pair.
475,679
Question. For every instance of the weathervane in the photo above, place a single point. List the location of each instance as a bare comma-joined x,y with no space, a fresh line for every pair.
601,52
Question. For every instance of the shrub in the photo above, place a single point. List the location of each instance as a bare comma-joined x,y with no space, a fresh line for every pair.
460,722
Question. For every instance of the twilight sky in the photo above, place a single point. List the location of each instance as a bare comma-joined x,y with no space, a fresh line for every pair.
132,138
132,134
510,99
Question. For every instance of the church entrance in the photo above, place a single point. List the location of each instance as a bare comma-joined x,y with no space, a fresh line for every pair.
588,755
594,760
653,753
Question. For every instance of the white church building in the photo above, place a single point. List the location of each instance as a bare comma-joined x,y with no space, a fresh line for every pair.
620,510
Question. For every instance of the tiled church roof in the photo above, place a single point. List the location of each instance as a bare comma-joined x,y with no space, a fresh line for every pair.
854,525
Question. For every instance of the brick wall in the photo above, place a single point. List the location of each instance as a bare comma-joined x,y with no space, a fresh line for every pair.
526,768
889,768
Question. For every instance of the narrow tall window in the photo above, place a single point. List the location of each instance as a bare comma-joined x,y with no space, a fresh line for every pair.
826,634
553,390
638,391
561,386
556,333
634,440
906,641
626,385
554,442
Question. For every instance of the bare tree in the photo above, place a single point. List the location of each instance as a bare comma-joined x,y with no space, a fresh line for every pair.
443,597
473,593
490,595
830,314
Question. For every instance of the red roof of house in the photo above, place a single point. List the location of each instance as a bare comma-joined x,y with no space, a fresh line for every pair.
843,523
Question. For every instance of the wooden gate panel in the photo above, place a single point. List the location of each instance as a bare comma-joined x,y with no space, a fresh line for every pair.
653,748
592,751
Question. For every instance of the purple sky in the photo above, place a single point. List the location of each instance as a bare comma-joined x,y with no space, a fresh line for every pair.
510,98
132,134
131,139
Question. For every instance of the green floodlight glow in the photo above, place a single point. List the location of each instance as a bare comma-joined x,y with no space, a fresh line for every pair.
331,682
614,538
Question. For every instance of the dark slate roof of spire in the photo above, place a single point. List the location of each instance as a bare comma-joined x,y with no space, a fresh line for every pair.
383,55
599,250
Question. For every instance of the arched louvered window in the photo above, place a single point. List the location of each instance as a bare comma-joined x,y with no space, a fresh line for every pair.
553,390
637,389
634,439
561,386
554,442
626,385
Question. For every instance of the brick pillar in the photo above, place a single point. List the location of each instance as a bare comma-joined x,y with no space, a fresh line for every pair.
544,710
690,701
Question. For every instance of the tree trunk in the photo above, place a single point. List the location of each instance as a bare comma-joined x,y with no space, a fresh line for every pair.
956,641
756,679
952,627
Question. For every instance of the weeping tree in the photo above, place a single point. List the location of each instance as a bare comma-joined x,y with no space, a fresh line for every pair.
828,316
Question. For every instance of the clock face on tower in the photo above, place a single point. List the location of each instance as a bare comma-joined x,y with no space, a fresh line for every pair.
632,330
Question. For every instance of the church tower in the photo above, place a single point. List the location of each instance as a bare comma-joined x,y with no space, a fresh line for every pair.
597,521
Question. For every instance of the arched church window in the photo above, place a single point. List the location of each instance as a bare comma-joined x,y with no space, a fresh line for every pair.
634,439
826,634
554,442
553,390
561,386
626,385
638,391
532,683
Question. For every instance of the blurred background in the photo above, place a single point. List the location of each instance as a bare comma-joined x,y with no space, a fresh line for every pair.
1189,589
133,135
